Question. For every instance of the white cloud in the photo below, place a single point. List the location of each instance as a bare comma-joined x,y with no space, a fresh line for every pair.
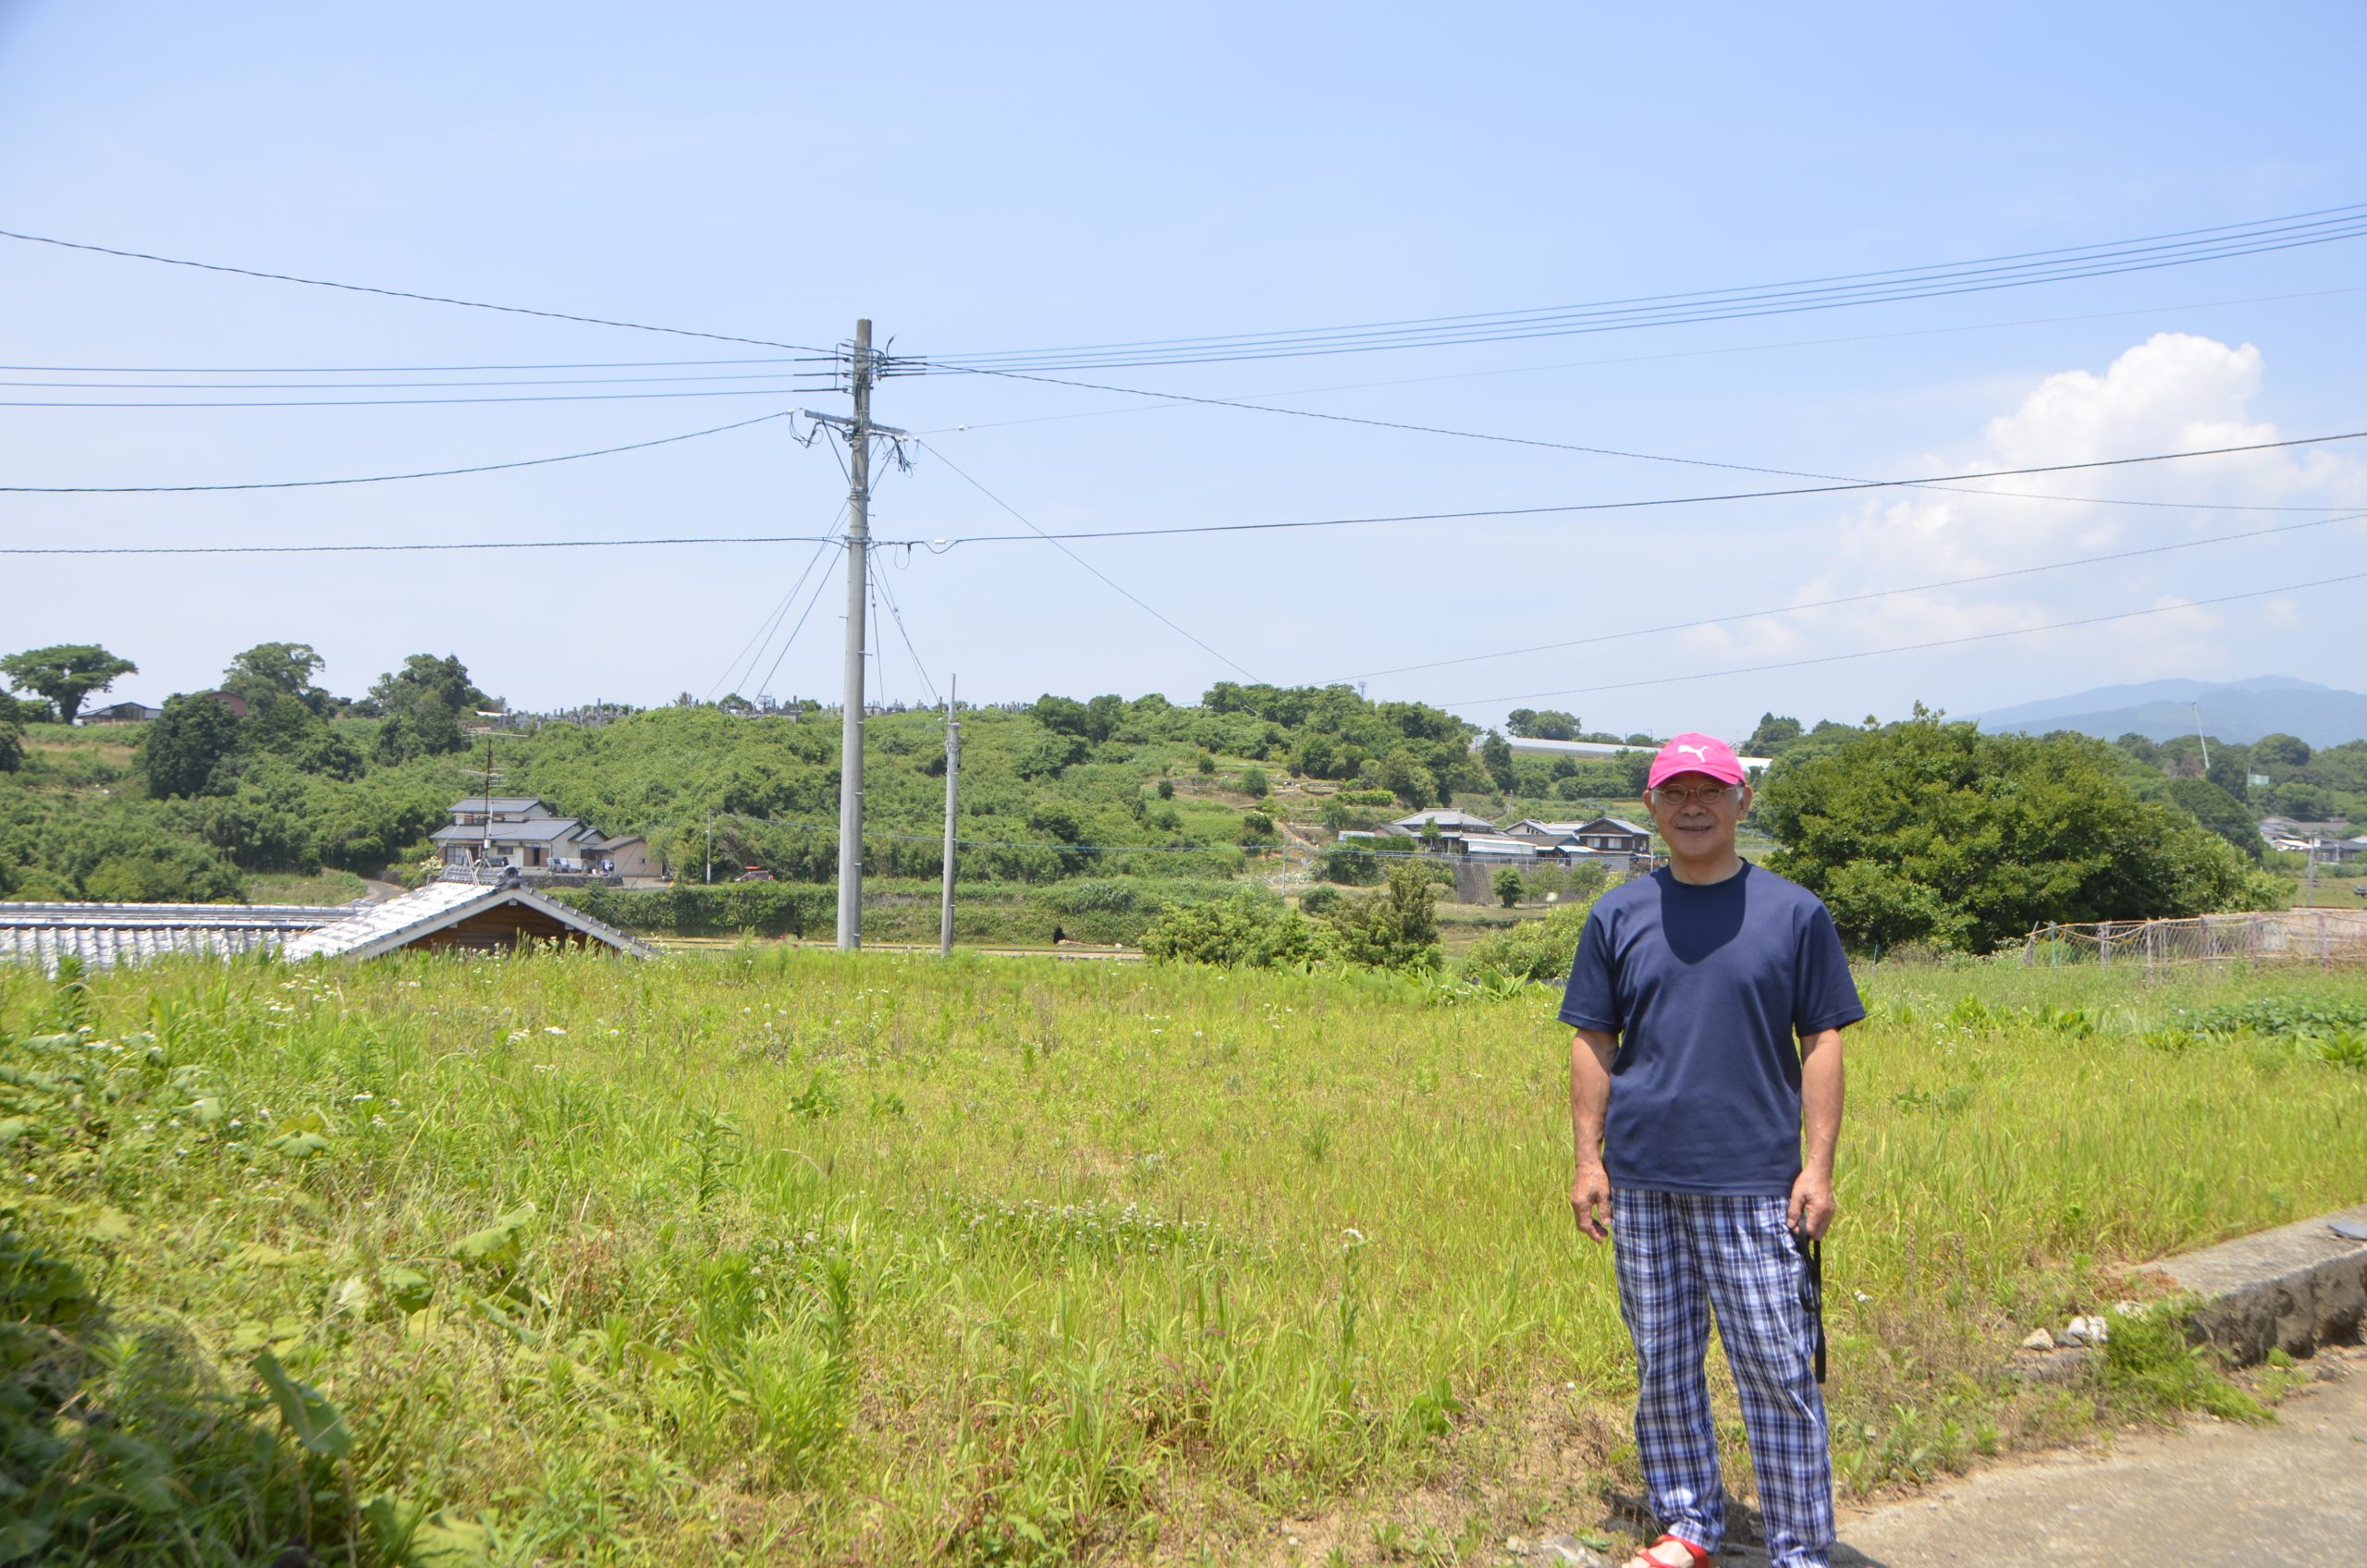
2173,392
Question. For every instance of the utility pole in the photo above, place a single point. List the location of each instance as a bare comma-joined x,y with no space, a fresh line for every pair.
952,787
711,846
858,578
862,369
485,842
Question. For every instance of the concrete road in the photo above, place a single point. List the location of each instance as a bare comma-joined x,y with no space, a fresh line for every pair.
2210,1496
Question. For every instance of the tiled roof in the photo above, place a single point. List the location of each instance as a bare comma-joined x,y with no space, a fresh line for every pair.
398,922
536,830
1446,821
482,803
103,936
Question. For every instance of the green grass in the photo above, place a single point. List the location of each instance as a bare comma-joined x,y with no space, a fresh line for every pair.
294,887
779,1257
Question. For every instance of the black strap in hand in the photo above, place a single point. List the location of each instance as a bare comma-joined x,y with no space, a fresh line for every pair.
1812,1290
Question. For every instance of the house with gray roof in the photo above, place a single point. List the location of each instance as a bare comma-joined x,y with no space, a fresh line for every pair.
523,831
455,916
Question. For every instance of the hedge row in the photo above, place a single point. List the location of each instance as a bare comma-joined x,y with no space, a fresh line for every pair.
769,909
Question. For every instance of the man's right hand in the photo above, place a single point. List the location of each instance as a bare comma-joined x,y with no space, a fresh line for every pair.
1590,1201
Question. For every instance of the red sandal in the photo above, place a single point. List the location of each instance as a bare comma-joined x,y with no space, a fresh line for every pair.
1700,1559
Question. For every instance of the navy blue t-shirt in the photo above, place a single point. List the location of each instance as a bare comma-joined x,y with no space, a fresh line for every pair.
1706,985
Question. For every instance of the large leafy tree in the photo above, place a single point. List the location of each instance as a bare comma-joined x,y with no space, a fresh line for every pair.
425,703
272,670
1548,724
183,751
2220,811
66,673
1934,832
1775,731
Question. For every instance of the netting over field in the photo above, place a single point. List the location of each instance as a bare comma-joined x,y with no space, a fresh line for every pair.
2325,937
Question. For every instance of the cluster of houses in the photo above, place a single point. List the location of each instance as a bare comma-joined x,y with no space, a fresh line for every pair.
1608,841
2331,842
524,834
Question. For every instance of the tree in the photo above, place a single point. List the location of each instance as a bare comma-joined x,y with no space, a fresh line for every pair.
1496,757
2220,811
1102,717
424,703
1403,776
1396,929
2281,750
1508,887
66,673
180,755
20,710
1933,832
277,669
1548,724
12,747
1254,783
1775,733
1062,715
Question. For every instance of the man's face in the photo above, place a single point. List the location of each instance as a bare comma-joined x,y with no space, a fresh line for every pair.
1697,815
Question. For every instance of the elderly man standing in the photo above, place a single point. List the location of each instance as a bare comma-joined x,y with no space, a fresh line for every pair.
1689,1101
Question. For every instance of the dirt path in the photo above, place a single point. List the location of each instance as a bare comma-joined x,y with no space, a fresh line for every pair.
2212,1496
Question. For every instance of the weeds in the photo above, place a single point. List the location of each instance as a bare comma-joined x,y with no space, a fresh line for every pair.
780,1256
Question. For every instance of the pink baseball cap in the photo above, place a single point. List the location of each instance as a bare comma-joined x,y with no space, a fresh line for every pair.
1693,753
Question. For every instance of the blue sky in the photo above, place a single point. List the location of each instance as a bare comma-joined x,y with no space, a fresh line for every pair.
977,178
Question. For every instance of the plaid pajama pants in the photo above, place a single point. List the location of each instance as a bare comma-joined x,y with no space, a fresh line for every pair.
1681,1255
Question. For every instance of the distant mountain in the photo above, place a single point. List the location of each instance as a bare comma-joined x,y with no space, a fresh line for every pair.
2240,711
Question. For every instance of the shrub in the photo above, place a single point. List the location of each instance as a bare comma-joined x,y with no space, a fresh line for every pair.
1536,949
1254,783
769,909
1396,929
1247,930
1508,887
1343,862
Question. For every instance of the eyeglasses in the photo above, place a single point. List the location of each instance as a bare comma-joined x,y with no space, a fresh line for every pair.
1706,795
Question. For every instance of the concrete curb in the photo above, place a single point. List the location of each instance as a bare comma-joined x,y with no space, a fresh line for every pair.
2294,1288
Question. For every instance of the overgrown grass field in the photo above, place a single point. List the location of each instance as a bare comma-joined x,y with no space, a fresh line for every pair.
776,1256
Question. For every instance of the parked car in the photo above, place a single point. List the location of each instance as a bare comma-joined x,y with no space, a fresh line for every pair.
754,873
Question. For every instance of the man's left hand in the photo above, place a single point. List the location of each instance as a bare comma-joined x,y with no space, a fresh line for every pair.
1812,1204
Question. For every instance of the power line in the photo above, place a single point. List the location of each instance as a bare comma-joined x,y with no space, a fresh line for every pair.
753,649
1813,294
382,386
381,370
1055,539
424,548
1913,647
772,391
895,610
367,479
821,580
1592,451
1176,401
398,293
941,545
990,843
1848,598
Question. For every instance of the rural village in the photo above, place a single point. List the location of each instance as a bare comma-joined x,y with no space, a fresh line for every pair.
583,984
